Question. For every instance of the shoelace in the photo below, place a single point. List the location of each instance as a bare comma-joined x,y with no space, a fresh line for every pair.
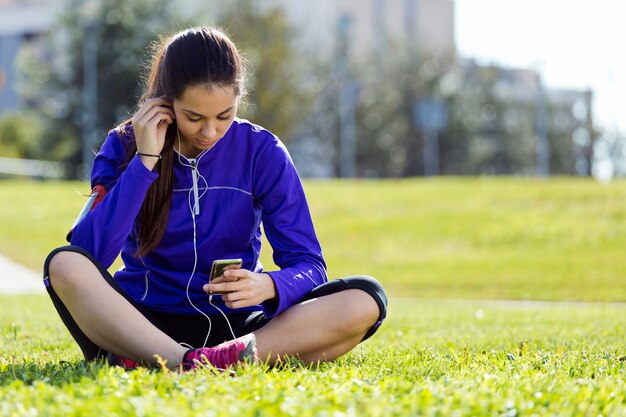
220,357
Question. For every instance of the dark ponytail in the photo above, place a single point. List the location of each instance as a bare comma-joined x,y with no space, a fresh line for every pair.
198,56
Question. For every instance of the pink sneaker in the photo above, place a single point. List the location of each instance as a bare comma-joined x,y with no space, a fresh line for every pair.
225,355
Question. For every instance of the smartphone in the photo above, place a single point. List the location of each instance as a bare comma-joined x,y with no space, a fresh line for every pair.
219,265
217,270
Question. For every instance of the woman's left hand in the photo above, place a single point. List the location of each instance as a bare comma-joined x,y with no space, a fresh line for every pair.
242,288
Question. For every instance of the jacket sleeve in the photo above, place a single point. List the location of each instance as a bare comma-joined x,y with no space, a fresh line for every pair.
103,230
289,228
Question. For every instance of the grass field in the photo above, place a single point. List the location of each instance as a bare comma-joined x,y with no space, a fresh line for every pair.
429,359
427,241
478,238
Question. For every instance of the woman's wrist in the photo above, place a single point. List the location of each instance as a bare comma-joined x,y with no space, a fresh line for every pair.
149,160
270,288
149,155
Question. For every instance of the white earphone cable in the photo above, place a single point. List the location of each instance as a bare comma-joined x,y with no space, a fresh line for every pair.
193,209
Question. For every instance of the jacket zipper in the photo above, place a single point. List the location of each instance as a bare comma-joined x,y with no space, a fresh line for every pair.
194,176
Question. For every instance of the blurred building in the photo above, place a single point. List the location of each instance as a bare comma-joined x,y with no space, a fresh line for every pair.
572,119
512,123
20,22
427,25
523,127
349,33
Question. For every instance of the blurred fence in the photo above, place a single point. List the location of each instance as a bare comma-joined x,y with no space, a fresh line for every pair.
33,168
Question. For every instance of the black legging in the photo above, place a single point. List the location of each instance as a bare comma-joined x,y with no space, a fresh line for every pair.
193,329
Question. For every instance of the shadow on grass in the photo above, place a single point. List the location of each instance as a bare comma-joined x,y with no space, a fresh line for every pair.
68,372
53,374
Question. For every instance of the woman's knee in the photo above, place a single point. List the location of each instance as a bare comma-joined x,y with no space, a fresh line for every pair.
360,310
373,289
64,268
371,294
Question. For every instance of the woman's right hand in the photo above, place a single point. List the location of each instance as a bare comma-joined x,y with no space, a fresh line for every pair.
150,124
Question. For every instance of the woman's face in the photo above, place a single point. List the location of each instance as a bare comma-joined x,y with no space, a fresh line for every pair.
204,115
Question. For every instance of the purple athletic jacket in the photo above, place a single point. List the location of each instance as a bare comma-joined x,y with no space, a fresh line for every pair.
246,179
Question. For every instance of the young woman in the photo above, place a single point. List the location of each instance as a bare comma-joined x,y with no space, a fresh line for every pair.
184,183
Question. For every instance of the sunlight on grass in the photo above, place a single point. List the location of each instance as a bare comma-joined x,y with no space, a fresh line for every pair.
559,239
512,238
429,358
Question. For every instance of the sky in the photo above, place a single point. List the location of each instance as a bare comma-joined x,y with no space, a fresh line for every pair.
572,43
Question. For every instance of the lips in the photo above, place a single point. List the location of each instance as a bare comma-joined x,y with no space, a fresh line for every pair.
207,142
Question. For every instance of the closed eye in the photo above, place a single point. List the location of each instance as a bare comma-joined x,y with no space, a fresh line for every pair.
195,117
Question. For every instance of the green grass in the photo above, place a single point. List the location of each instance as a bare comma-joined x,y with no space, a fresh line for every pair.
510,238
429,359
480,238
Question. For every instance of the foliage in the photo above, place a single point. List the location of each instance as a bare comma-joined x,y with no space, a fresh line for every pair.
295,92
609,151
53,70
504,238
389,143
491,118
487,133
428,359
278,97
19,136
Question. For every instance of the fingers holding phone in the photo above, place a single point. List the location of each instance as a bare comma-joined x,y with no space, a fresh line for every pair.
217,272
221,265
241,288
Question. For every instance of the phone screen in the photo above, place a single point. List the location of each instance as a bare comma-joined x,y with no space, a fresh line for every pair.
219,265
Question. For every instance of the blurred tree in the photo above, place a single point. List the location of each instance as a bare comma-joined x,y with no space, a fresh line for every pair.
294,93
609,155
392,81
491,126
279,83
52,70
315,144
19,135
383,123
571,133
497,131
